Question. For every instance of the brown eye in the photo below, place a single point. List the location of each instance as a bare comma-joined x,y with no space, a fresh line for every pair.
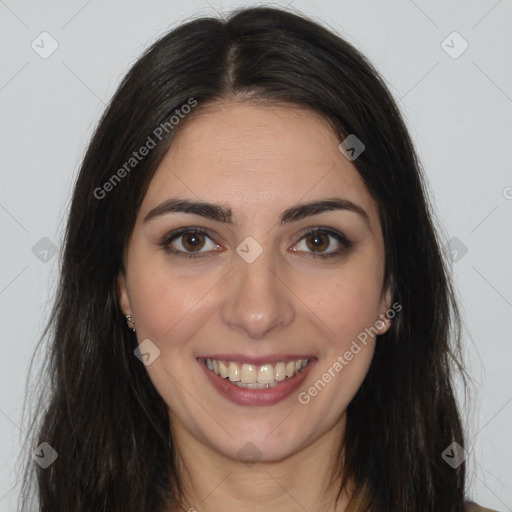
189,242
317,242
193,241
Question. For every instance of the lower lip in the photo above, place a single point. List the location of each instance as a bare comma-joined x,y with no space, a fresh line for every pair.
245,396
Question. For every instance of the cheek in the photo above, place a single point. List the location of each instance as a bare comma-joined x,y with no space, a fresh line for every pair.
170,302
348,309
170,307
347,302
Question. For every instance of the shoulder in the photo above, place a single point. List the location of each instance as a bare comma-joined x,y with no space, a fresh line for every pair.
473,507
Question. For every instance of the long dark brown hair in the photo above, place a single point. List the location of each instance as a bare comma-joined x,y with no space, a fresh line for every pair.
100,411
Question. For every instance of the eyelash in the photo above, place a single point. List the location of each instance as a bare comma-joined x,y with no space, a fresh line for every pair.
339,237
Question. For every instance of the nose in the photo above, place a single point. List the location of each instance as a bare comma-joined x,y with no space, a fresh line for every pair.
258,301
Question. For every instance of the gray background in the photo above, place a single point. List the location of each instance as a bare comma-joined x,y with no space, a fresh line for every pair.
459,111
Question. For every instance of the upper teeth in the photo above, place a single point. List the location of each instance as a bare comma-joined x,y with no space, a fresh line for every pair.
256,374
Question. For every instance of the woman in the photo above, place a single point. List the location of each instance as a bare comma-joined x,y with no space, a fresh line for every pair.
254,310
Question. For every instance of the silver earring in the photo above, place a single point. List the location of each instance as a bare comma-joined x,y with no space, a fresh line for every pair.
129,318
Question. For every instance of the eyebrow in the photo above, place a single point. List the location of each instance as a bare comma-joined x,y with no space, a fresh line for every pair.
224,214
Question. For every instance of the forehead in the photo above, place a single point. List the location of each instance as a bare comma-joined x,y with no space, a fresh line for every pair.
264,158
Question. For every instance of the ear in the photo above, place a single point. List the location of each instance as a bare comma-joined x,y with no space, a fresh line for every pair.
384,322
123,295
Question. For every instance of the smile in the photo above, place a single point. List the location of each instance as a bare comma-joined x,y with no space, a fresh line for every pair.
256,383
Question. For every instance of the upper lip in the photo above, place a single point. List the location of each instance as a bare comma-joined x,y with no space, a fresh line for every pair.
259,360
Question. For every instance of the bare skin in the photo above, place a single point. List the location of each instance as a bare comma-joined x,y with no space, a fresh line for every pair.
258,161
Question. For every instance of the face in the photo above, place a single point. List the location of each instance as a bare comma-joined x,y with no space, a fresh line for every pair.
271,292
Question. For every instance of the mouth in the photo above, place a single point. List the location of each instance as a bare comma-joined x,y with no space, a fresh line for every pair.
256,383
